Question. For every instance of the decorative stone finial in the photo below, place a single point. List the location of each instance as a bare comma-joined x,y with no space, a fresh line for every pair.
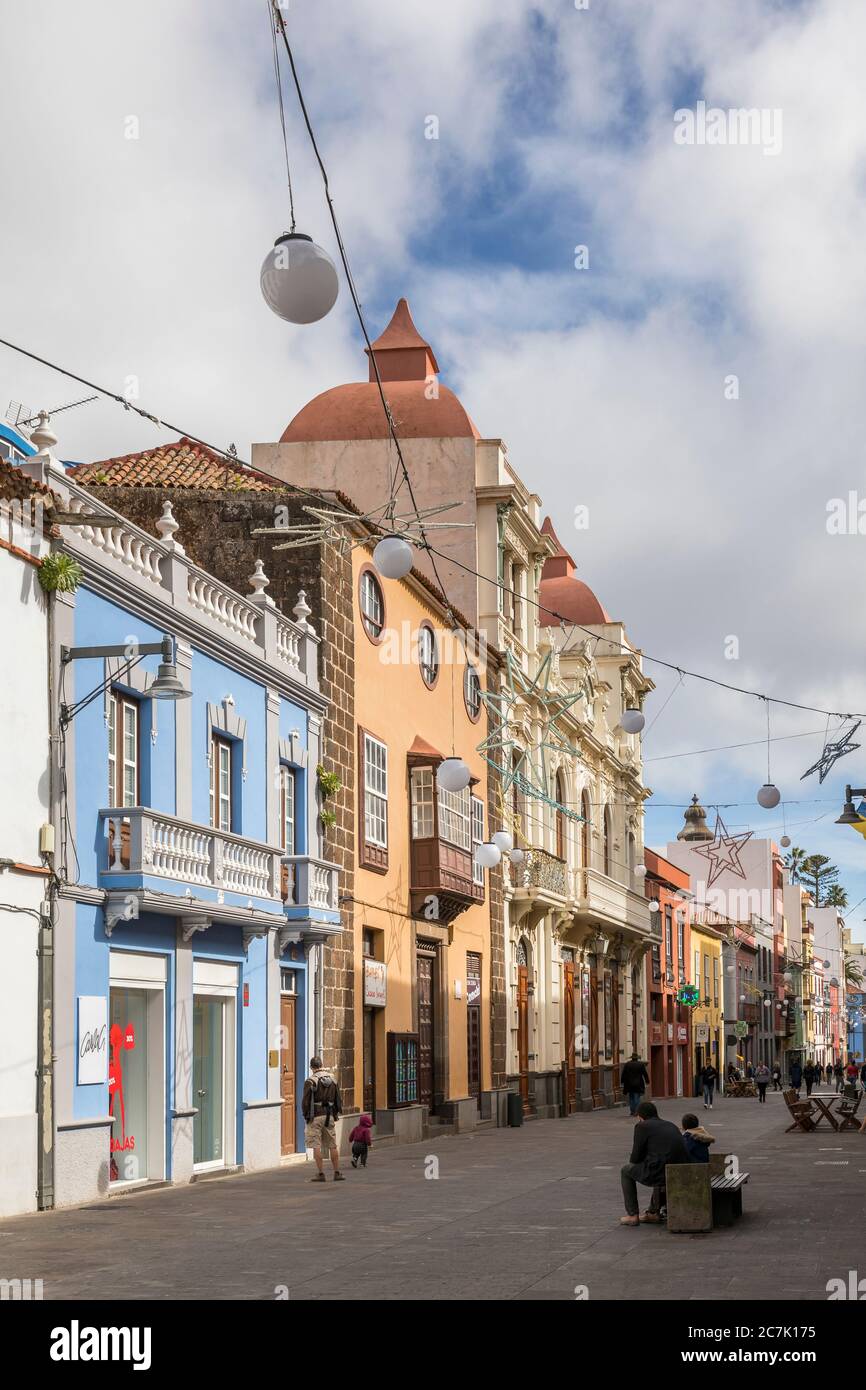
167,525
259,580
43,436
302,611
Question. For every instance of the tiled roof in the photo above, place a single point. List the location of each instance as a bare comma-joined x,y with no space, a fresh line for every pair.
17,485
182,464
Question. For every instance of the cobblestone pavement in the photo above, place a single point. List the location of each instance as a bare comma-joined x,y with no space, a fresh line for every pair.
531,1213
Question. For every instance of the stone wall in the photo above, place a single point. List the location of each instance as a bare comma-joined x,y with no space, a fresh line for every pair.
215,529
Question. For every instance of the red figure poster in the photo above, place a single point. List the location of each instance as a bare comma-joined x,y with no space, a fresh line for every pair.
121,1040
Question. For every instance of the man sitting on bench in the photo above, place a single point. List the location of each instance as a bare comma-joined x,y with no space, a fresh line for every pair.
656,1143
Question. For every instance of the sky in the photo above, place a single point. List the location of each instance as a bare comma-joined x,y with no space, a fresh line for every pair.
697,385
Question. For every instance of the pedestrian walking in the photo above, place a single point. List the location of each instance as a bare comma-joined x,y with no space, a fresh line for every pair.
809,1077
829,1073
796,1075
657,1142
633,1081
696,1139
709,1077
777,1077
839,1074
321,1106
762,1080
361,1140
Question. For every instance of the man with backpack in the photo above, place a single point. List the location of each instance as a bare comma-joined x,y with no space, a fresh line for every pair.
321,1106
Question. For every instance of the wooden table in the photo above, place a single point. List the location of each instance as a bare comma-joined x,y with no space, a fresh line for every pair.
740,1088
824,1111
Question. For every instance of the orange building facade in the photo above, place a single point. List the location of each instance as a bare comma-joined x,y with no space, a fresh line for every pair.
422,937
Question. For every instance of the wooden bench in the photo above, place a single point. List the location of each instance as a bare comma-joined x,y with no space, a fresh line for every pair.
727,1197
847,1109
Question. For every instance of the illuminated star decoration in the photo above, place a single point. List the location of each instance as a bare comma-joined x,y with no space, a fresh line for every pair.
335,525
500,747
833,750
723,851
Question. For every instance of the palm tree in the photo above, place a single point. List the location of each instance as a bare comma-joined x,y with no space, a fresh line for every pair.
836,896
794,862
853,975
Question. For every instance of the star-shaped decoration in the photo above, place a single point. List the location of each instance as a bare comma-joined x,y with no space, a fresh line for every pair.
833,751
335,525
527,768
723,851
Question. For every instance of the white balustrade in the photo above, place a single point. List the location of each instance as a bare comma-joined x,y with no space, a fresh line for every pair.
121,544
246,869
141,841
289,644
222,605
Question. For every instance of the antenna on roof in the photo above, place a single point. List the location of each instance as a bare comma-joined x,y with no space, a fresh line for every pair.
14,412
57,409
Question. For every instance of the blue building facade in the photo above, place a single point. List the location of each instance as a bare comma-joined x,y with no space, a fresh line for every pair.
194,897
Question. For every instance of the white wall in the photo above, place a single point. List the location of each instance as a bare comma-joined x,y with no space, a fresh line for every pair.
23,809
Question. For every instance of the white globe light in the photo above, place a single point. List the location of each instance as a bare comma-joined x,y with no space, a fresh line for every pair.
488,855
779,1006
393,557
769,796
654,907
453,775
640,870
787,975
785,841
503,841
299,279
729,970
516,856
742,998
768,1003
632,721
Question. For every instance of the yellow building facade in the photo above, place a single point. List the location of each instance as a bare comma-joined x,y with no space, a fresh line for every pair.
708,1016
422,906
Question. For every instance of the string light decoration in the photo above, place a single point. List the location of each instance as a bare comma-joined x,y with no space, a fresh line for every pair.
723,851
517,766
833,750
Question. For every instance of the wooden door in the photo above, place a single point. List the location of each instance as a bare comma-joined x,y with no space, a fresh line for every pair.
568,1016
288,1113
595,1069
523,1031
369,1060
426,1028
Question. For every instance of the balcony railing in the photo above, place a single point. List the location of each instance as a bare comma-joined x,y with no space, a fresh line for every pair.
601,896
545,871
151,843
312,884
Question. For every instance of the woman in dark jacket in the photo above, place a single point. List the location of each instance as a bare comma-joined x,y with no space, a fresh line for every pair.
809,1077
796,1075
634,1081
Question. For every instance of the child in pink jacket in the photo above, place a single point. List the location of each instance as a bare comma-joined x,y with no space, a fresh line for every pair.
361,1139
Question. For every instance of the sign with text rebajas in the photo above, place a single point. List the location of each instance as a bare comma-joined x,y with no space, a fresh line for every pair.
375,983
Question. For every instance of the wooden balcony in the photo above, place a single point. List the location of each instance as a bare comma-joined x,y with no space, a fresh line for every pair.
442,871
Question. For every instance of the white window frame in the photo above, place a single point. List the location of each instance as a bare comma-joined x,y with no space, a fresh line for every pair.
372,597
472,681
287,809
428,655
220,797
375,791
423,802
455,818
118,792
477,814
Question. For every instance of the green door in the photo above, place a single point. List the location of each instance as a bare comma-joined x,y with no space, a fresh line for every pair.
208,1079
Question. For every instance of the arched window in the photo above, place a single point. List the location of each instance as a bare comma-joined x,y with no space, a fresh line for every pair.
607,839
631,853
585,852
561,850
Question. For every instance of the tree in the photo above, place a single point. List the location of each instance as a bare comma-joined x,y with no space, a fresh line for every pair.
819,876
853,975
836,896
794,862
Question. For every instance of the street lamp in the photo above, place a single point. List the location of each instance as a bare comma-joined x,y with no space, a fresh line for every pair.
165,686
849,814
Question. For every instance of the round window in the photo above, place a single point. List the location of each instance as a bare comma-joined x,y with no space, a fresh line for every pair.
472,693
428,655
372,605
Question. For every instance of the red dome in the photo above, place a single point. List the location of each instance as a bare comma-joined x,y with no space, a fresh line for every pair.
422,408
354,411
562,592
